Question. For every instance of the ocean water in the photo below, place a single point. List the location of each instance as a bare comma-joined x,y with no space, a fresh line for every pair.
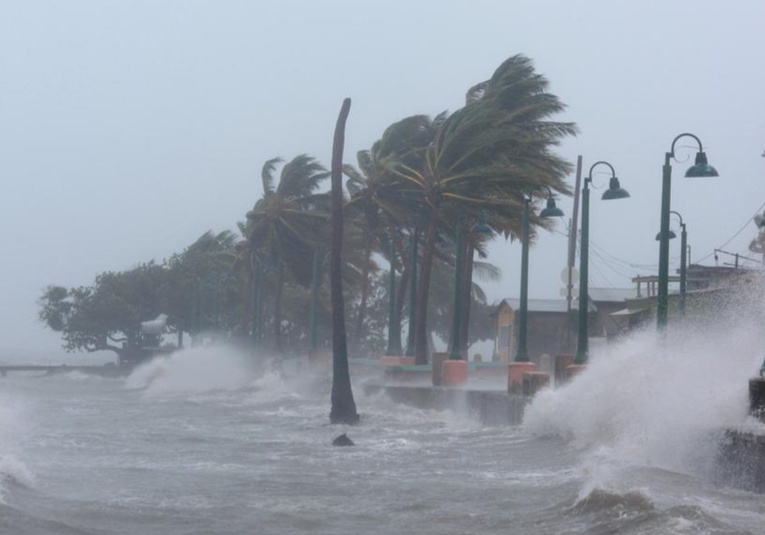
207,441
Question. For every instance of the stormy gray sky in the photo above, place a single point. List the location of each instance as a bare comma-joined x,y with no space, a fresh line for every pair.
127,129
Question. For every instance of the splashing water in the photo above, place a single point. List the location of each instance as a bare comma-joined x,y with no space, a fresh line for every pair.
12,430
193,370
651,402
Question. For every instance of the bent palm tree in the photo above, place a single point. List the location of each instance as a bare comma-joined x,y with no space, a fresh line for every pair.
343,405
287,222
483,158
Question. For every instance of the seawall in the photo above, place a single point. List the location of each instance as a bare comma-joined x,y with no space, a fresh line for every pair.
490,407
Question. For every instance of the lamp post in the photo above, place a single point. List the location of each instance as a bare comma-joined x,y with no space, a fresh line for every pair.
700,169
521,354
683,258
614,191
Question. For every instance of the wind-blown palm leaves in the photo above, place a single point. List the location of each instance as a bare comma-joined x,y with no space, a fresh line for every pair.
375,196
287,223
484,157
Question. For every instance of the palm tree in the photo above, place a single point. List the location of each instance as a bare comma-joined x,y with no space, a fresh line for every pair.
375,201
343,408
286,224
484,157
211,257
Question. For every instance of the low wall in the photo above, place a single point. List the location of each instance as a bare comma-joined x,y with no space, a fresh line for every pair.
741,460
490,407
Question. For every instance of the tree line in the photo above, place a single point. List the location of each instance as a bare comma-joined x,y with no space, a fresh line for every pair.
405,199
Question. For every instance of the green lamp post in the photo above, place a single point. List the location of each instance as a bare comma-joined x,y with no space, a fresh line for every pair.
614,191
700,169
683,258
459,265
522,354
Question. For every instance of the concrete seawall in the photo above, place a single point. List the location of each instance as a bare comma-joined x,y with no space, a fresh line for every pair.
490,407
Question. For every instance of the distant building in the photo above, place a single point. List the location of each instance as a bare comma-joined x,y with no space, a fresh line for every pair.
552,328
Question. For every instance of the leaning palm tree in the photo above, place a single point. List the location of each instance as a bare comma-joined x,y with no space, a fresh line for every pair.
376,201
287,223
343,408
483,158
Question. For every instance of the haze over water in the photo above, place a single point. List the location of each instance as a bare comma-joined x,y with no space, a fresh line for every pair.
204,441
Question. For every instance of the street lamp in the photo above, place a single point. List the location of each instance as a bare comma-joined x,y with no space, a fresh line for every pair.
550,210
683,258
480,227
700,169
614,191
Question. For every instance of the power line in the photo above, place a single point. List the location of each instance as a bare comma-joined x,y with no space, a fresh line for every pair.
749,219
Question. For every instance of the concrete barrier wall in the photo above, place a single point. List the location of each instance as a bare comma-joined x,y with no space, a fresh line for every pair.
490,407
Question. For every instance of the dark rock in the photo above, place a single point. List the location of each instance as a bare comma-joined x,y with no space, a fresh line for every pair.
343,440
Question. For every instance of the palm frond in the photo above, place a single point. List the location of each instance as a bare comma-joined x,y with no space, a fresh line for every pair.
267,174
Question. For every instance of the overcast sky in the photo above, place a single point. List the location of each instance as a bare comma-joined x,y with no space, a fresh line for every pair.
129,128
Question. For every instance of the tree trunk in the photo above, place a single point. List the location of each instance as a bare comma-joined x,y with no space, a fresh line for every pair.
401,293
403,282
467,291
421,312
358,331
278,308
343,409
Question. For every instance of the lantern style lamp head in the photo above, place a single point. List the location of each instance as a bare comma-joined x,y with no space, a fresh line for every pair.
481,227
614,191
701,168
551,210
672,235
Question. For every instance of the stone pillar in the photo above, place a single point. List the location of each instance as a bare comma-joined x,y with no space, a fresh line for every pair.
533,382
561,362
515,371
757,398
454,372
574,370
436,360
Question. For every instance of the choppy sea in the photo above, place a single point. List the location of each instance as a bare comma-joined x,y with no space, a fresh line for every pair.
206,442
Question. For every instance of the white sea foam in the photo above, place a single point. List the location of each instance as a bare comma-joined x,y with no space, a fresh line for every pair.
193,370
12,432
647,402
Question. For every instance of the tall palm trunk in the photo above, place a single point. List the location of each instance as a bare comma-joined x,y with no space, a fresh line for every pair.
343,405
421,312
278,308
467,290
401,291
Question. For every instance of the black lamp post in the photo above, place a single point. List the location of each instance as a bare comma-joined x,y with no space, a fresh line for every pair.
614,191
683,258
700,169
479,228
551,210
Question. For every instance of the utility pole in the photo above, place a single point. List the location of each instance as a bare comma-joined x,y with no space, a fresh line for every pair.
573,229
